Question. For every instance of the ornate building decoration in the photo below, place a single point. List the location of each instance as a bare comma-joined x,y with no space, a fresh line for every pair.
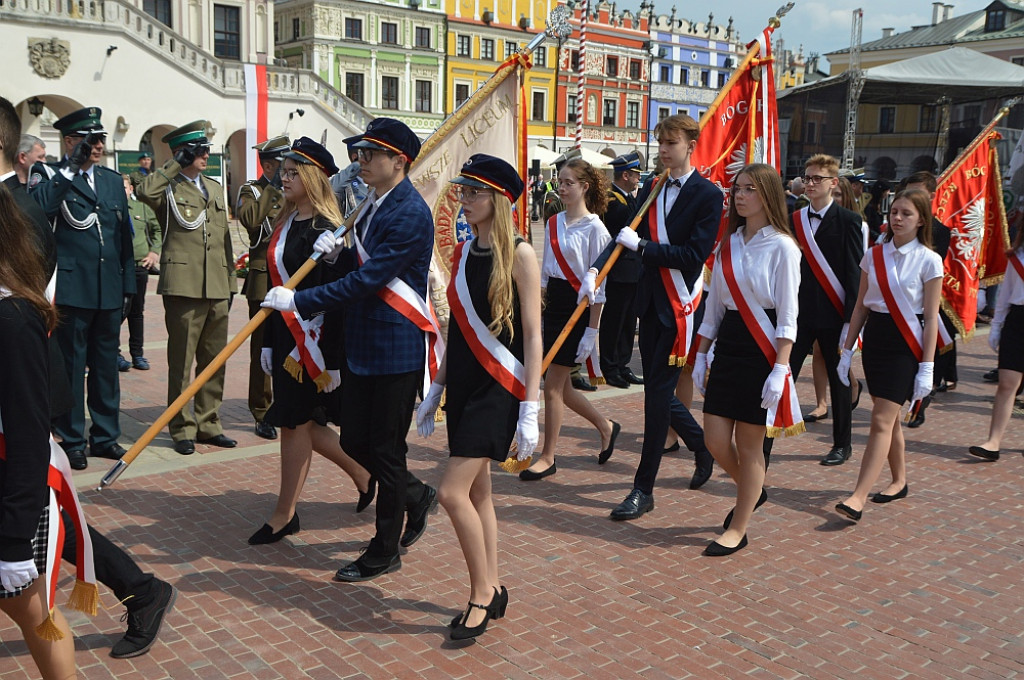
49,57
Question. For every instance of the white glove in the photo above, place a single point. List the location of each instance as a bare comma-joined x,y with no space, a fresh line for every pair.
587,344
335,375
280,298
427,409
14,575
773,386
843,369
923,380
267,360
327,245
842,336
527,432
700,372
994,333
628,238
588,287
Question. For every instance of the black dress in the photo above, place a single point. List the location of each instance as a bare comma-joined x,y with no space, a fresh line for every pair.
296,403
482,415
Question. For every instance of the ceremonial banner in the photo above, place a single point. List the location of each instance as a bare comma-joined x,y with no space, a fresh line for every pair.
255,115
969,200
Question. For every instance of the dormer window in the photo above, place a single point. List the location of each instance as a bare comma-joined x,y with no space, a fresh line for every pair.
995,20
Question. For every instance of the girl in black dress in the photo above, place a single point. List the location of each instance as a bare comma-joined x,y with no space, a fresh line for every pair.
305,378
25,319
492,368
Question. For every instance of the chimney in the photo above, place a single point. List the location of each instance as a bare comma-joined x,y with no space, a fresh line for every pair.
887,32
947,12
937,8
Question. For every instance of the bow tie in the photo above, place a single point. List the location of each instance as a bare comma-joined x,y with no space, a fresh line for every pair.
674,183
814,214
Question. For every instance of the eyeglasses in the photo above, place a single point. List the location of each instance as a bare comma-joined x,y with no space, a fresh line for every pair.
568,183
366,155
747,190
470,194
289,174
816,179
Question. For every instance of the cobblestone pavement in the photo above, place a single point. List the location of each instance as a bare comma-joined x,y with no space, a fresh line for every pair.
927,587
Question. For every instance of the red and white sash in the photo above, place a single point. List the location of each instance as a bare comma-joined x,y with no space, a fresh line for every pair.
401,297
305,332
684,301
784,418
819,265
499,362
1017,261
883,268
556,239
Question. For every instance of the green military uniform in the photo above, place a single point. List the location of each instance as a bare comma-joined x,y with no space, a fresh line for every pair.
148,238
136,176
197,279
259,203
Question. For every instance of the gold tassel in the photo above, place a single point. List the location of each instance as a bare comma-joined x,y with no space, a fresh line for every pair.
598,381
439,413
321,382
791,431
48,630
671,359
947,348
85,597
294,368
513,465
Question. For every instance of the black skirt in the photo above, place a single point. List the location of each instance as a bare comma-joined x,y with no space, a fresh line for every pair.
890,366
559,304
737,373
40,542
1011,343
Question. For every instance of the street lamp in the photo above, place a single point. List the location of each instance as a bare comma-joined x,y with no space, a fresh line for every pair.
35,106
652,51
558,76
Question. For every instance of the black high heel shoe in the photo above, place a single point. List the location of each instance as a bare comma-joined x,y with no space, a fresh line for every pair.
266,535
498,605
366,498
464,632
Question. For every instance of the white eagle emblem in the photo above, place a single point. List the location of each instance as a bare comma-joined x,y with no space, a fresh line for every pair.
968,241
738,159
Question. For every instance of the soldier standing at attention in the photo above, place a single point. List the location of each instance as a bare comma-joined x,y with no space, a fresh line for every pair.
259,202
196,280
95,279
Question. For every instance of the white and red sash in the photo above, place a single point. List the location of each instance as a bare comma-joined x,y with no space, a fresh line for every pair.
784,418
498,361
305,332
401,297
684,301
556,238
819,265
1017,261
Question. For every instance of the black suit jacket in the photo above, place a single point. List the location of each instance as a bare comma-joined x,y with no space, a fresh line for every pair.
620,212
940,238
841,241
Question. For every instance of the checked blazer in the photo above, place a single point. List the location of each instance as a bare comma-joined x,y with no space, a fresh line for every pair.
399,240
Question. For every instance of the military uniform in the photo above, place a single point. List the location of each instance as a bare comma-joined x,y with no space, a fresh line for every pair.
259,203
95,273
136,176
148,239
197,279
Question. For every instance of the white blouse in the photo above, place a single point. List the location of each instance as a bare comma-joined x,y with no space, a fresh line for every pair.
584,240
771,272
916,264
1011,292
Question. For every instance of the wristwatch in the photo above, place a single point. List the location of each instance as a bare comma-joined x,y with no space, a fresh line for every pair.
641,246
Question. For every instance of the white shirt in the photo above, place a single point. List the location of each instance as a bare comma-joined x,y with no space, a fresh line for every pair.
4,177
584,240
374,204
771,272
915,266
814,222
1011,292
671,193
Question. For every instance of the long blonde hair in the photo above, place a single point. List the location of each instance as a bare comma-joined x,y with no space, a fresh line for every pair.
500,291
321,196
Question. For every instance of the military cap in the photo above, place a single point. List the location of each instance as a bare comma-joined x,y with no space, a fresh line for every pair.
81,122
855,175
305,150
145,154
627,161
273,147
571,154
193,133
388,134
489,172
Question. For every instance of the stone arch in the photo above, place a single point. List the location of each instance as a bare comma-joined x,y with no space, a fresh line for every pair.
150,141
55,106
885,168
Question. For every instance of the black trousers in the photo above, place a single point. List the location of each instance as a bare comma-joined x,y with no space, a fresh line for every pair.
114,567
840,394
261,392
661,406
376,413
618,327
136,324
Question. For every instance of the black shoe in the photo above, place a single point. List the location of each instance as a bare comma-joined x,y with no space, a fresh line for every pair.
582,385
77,459
417,522
716,549
498,605
185,447
849,512
266,534
974,451
113,452
632,378
358,571
140,363
992,376
670,449
529,475
463,632
882,498
760,501
366,498
918,419
836,456
123,364
616,380
811,418
144,622
860,391
265,430
219,440
702,472
945,386
603,457
635,505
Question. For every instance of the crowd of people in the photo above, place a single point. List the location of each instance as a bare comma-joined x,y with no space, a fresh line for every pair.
338,366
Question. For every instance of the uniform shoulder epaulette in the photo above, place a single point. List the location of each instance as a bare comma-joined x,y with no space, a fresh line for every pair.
617,196
212,179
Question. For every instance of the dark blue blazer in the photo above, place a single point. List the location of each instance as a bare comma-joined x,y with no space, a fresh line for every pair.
399,241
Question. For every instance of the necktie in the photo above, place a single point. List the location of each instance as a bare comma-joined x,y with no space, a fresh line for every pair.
85,176
814,214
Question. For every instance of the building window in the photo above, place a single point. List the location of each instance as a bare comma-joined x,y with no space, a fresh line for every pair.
226,36
705,78
570,108
610,112
633,115
540,57
423,98
388,92
721,80
540,106
461,93
1019,61
574,61
663,113
929,118
887,119
510,48
463,46
295,29
611,67
995,20
277,32
812,132
388,33
159,10
634,69
684,76
423,37
666,74
487,49
354,87
354,29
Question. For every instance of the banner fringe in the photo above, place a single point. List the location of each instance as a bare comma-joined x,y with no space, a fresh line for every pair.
85,597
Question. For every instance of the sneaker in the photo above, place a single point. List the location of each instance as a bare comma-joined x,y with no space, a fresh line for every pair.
144,622
123,364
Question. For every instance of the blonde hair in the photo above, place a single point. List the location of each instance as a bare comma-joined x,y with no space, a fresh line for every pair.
500,291
773,197
320,194
823,161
